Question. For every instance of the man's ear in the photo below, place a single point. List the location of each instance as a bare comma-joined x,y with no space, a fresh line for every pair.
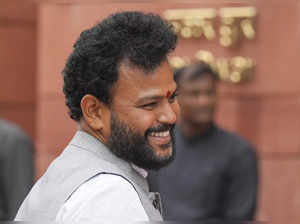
93,112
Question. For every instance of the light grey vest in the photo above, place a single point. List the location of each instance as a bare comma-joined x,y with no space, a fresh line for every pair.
84,158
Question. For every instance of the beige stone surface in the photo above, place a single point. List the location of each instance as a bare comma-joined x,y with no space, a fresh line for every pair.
279,195
21,114
271,123
17,64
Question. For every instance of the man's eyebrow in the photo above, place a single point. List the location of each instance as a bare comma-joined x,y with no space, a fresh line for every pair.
156,97
150,97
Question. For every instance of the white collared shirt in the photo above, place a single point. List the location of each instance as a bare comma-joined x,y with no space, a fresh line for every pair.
105,197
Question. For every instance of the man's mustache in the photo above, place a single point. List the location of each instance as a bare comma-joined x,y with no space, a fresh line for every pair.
160,128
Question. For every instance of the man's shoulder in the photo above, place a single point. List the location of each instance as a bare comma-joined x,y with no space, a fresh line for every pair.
12,130
75,158
14,140
235,140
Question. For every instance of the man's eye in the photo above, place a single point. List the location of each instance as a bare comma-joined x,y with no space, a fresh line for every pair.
149,106
173,97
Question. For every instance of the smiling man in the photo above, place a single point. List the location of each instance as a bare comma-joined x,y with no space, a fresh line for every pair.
120,89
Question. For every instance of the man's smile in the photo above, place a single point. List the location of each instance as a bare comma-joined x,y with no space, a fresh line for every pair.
159,139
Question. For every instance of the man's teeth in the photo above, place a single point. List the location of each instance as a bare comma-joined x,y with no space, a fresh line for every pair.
160,134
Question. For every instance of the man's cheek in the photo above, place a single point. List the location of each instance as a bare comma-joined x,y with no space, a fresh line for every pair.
143,123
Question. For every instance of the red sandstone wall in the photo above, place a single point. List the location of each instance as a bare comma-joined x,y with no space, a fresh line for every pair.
266,110
18,63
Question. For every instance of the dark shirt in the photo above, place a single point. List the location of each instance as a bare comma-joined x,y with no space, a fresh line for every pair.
16,169
214,176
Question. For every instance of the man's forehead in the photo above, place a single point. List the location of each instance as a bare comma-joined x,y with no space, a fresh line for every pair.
127,68
131,74
133,82
198,85
198,82
152,92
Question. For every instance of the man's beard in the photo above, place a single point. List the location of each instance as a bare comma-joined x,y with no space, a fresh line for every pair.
133,147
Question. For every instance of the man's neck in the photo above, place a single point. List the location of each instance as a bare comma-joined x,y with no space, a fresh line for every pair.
83,126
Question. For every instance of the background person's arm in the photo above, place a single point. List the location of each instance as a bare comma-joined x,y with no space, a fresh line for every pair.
240,194
18,171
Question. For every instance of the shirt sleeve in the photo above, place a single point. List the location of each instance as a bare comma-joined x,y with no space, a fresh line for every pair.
240,195
104,197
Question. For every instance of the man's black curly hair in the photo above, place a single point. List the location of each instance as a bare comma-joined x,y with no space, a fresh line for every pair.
195,71
144,40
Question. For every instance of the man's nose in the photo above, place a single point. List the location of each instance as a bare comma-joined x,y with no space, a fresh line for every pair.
202,100
168,113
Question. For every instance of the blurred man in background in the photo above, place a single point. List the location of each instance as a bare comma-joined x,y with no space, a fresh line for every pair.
16,168
214,175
